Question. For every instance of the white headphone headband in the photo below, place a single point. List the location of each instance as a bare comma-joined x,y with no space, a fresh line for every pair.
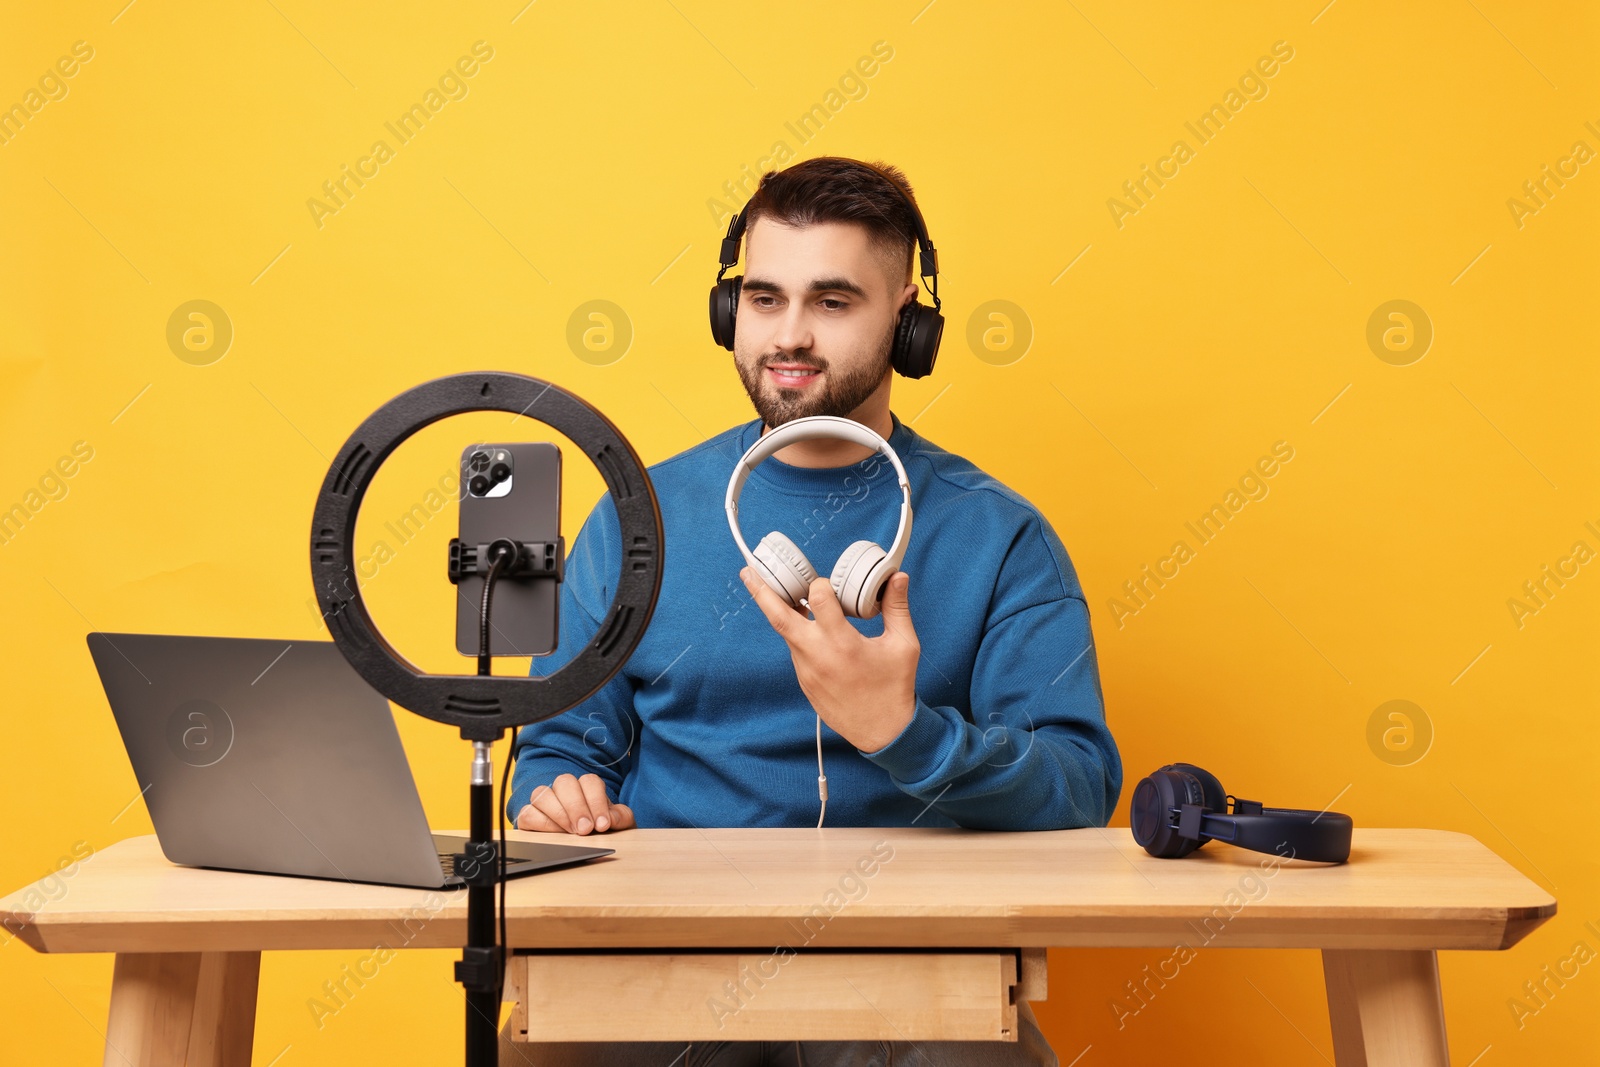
804,430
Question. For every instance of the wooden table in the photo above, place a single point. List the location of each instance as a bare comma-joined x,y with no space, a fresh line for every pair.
900,933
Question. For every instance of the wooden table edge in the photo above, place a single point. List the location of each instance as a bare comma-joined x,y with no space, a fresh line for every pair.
1477,929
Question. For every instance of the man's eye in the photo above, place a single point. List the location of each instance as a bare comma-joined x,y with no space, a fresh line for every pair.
758,300
841,303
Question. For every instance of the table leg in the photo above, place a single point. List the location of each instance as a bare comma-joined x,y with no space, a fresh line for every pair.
182,1008
1385,1008
224,1023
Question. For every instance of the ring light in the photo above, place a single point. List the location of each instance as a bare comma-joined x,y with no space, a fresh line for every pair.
483,705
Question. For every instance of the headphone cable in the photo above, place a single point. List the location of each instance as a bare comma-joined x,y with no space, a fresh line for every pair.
822,779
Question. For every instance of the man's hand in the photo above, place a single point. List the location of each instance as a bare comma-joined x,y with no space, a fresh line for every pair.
863,687
574,806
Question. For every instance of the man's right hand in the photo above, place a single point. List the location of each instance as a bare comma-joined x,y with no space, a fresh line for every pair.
572,805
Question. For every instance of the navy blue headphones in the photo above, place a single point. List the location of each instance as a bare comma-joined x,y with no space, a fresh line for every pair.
1180,807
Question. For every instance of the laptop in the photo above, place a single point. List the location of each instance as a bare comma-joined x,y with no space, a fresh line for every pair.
277,757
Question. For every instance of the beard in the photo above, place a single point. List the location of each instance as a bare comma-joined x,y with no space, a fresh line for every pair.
838,393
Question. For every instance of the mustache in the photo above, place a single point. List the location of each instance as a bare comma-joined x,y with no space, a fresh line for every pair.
768,361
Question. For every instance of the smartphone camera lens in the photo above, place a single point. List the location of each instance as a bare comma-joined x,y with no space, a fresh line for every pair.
500,471
479,485
478,462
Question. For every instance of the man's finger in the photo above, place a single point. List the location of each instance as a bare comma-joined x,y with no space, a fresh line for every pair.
622,817
546,801
777,610
531,818
576,804
594,790
825,604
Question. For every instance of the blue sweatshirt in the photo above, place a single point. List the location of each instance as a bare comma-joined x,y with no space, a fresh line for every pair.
706,724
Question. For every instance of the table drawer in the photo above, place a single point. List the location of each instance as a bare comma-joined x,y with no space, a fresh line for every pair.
772,996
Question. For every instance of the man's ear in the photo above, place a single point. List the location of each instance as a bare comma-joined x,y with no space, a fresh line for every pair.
907,295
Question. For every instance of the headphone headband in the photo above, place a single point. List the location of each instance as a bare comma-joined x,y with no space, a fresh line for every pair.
1323,836
928,256
806,429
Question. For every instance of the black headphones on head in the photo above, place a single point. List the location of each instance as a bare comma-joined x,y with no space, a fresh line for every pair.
1180,807
916,337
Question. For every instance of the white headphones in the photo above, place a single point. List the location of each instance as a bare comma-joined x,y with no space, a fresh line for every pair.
863,571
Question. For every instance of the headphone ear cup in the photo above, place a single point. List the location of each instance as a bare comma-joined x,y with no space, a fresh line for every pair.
916,340
725,310
1216,797
1151,817
850,576
789,572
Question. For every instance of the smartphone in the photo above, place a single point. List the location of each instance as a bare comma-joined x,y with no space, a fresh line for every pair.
509,490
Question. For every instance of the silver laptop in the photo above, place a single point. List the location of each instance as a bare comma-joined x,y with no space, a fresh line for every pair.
277,757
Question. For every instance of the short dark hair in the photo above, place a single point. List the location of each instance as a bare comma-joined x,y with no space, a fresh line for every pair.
837,189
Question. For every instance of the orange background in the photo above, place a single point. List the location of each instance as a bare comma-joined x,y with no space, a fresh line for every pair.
1138,365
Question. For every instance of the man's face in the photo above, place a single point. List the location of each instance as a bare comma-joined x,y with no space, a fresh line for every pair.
819,302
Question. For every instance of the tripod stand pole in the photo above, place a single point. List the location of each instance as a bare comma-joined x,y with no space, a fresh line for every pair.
480,968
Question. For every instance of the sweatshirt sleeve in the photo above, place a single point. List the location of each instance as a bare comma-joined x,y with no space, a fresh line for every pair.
598,735
1036,753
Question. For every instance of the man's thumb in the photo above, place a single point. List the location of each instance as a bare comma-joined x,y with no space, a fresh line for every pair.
622,817
896,603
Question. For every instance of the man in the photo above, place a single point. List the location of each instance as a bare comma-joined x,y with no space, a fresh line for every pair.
985,713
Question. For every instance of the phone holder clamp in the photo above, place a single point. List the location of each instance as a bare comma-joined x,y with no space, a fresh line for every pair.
535,559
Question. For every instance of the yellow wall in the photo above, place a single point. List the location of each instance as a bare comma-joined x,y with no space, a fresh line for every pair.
1171,347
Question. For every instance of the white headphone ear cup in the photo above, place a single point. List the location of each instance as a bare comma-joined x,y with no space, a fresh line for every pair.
850,577
788,565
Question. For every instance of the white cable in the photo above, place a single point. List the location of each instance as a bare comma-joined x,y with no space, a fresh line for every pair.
822,779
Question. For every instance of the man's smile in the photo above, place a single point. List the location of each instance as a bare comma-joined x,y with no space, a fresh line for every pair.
793,375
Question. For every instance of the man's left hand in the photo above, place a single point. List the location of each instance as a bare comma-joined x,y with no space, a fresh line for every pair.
865,688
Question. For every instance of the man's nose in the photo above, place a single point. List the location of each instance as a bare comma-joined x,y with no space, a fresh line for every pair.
793,330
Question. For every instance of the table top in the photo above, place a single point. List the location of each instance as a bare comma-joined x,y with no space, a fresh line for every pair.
845,887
